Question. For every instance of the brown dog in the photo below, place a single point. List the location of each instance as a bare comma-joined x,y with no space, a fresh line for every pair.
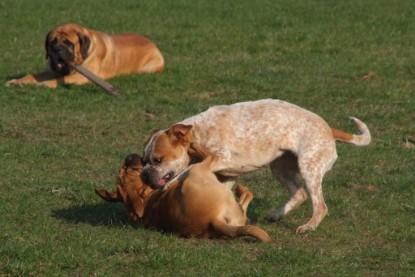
195,204
130,190
104,55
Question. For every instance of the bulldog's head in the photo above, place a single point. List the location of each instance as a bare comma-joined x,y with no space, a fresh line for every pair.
166,155
67,44
130,189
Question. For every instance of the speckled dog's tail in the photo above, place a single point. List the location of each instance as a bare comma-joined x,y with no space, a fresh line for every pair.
359,140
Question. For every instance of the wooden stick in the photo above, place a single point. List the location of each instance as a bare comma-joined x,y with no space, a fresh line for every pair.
96,80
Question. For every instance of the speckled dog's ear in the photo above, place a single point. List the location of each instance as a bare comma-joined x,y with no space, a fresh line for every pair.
180,130
180,134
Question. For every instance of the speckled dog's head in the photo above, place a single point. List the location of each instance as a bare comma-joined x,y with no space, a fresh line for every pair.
166,155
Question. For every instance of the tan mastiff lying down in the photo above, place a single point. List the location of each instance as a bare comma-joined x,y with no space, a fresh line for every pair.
105,55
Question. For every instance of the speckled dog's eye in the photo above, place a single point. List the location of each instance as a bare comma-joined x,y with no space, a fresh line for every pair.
157,160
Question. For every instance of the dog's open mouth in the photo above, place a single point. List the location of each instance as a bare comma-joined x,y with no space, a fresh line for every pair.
166,178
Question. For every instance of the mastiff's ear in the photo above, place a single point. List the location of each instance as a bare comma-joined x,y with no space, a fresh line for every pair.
84,42
47,44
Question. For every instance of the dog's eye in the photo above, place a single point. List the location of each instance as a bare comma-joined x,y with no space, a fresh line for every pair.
157,160
67,43
54,41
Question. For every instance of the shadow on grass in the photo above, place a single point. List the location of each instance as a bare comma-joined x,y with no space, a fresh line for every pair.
103,214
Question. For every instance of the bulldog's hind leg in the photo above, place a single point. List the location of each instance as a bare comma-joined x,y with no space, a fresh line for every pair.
245,197
285,170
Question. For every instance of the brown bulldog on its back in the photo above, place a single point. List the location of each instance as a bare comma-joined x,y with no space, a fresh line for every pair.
104,55
196,204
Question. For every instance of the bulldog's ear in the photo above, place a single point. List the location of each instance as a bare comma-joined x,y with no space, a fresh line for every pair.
180,130
108,196
47,44
84,42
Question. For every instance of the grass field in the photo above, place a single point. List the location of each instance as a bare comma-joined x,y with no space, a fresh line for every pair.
335,58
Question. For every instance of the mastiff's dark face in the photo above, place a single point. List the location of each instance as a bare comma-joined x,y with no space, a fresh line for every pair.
66,46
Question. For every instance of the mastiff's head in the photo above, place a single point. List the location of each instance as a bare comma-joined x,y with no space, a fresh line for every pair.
67,44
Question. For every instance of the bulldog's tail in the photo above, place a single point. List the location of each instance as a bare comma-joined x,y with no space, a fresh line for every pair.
359,140
239,231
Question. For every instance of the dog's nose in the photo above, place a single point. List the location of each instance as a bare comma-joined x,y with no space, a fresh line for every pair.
145,176
59,49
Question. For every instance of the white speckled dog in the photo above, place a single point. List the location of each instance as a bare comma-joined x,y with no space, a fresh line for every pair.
249,135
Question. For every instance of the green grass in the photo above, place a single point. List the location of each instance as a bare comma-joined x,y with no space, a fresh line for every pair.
56,146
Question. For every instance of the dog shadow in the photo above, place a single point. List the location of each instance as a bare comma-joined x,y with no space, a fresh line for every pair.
102,214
